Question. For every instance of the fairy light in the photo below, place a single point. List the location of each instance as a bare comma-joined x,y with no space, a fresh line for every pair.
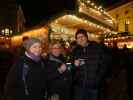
95,7
92,4
88,1
100,7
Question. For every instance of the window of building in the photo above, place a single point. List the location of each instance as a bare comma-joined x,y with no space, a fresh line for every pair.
117,15
126,12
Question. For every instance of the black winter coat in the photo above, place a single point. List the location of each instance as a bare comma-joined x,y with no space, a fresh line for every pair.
94,65
35,84
57,83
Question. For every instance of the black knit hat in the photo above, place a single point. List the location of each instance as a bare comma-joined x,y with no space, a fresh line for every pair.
81,31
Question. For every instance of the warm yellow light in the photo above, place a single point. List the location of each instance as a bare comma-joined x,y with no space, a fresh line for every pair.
88,1
56,21
100,7
95,7
80,9
127,22
10,31
16,40
92,4
86,21
101,10
6,30
3,31
97,26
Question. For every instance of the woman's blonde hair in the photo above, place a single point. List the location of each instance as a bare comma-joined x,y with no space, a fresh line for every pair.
54,43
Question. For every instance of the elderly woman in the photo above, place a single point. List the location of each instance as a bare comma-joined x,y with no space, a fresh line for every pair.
26,79
59,75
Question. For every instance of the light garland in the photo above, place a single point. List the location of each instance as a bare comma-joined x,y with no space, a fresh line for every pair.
81,20
100,8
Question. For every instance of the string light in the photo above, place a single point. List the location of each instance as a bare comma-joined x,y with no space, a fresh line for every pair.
88,1
95,7
89,4
92,24
92,4
100,9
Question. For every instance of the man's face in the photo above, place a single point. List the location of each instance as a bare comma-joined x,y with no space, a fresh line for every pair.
81,39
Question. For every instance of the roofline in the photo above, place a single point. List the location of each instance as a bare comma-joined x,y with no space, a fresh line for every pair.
118,4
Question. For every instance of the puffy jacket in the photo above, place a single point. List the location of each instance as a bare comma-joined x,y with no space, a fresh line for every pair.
57,82
34,84
93,65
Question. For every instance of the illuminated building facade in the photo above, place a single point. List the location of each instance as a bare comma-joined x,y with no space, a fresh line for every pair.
94,19
123,14
11,18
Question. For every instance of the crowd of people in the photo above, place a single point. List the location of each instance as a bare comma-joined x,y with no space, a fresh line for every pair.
53,77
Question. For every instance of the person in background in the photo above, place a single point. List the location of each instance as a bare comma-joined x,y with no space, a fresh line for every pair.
59,74
20,50
128,59
26,79
90,67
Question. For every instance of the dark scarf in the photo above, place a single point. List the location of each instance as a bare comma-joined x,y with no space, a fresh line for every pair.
54,58
59,59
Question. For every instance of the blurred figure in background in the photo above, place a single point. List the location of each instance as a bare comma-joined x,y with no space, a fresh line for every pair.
73,45
20,50
7,58
128,59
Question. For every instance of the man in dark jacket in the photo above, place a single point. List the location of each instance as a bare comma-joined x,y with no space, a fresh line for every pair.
91,64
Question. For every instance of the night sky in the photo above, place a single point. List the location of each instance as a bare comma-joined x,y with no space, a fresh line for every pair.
36,11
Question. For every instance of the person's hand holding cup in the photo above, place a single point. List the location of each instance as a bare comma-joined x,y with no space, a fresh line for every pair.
77,62
62,68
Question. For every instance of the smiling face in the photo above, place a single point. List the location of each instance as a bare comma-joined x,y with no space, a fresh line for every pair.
35,49
56,49
81,39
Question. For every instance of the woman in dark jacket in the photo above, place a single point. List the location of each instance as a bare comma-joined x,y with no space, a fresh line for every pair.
59,75
26,79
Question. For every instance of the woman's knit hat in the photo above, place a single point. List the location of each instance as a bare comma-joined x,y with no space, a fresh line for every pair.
29,42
